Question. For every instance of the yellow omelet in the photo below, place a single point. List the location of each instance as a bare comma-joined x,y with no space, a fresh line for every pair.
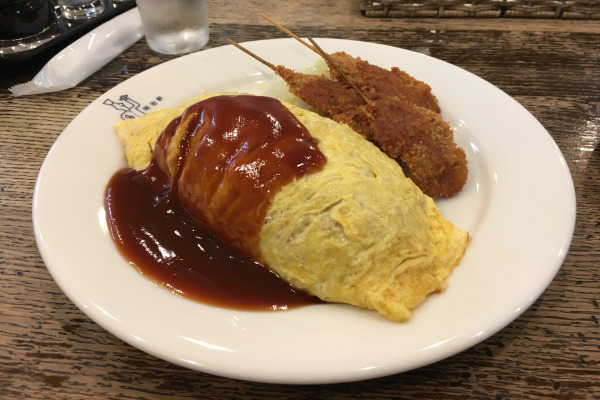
357,232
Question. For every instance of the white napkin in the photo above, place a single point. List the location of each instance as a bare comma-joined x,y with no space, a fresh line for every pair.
85,56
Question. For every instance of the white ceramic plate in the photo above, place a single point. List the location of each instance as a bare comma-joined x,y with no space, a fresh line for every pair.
518,205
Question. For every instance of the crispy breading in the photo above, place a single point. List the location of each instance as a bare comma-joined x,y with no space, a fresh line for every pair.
415,135
393,82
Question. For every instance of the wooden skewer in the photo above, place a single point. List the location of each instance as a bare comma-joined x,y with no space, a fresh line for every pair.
289,33
317,49
251,54
320,51
323,54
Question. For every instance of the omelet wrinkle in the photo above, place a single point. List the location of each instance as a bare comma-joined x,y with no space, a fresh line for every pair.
359,231
356,232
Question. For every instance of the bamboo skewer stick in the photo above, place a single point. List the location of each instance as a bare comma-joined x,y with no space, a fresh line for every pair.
289,33
323,54
319,51
251,54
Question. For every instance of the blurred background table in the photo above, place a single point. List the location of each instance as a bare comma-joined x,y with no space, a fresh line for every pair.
50,349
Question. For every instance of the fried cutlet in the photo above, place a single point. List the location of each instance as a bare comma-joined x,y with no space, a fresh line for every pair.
415,135
394,82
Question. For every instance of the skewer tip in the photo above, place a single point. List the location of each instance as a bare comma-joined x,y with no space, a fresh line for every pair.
251,54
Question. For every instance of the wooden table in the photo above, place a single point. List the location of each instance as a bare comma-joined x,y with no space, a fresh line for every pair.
50,349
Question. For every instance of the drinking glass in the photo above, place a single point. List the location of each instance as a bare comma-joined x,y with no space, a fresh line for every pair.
174,26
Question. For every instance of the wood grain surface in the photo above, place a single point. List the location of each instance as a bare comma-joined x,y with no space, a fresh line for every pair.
49,349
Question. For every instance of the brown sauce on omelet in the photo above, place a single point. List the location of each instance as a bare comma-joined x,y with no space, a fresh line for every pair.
195,230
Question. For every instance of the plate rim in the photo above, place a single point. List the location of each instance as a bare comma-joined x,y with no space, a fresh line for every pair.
369,373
